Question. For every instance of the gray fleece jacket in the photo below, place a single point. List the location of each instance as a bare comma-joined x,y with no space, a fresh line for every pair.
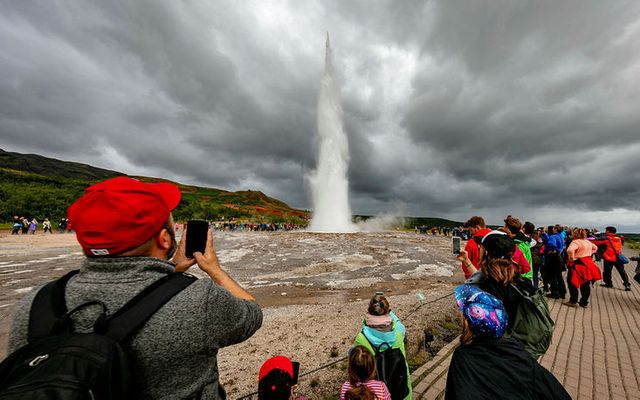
173,356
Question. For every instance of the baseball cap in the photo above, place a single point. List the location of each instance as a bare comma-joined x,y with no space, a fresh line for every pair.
490,234
484,313
275,379
120,214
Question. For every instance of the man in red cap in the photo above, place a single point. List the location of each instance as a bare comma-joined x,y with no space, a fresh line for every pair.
126,230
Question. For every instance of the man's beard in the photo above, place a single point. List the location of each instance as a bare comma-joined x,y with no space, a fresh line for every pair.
174,244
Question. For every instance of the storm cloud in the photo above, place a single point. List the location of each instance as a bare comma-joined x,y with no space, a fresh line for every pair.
453,108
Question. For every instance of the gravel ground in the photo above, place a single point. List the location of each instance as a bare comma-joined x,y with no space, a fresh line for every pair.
314,289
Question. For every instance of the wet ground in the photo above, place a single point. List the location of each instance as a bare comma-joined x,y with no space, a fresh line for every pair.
331,260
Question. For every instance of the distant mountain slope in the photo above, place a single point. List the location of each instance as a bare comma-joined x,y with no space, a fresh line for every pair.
37,186
431,221
51,167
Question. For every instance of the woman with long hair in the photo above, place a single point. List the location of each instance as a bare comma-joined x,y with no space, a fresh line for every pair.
582,272
488,365
498,271
362,384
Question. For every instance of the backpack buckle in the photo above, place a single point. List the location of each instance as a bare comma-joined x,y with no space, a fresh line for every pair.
38,360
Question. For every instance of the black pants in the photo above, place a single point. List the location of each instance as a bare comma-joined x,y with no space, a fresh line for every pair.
554,266
608,268
585,290
544,273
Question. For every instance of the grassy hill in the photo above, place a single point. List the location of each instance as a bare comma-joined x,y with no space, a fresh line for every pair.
33,185
431,221
51,167
411,222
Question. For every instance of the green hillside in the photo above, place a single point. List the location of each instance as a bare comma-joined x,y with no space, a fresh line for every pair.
51,167
431,221
412,222
36,186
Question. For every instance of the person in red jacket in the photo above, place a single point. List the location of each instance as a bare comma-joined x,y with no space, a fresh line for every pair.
478,229
610,256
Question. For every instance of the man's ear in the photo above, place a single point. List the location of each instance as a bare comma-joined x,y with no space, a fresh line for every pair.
163,239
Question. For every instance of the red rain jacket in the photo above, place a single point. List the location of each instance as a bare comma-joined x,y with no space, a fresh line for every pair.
522,264
614,247
584,270
474,253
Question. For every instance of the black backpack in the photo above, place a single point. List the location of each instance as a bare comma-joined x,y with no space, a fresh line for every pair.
391,367
59,364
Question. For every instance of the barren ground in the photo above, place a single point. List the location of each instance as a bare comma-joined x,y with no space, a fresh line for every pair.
314,289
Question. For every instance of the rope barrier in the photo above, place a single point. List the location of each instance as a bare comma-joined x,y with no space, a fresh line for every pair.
325,366
428,302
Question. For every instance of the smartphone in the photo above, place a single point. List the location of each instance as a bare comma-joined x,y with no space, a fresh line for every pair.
296,371
455,244
196,237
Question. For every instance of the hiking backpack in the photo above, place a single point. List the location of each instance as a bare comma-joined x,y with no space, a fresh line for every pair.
532,325
391,367
57,363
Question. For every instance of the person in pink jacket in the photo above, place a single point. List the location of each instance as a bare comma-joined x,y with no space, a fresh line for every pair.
581,270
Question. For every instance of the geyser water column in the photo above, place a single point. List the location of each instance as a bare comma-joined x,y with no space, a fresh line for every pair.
329,184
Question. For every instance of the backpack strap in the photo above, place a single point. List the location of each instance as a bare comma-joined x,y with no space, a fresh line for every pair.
47,307
139,309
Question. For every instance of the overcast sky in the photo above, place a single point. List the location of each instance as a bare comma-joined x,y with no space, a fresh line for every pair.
453,108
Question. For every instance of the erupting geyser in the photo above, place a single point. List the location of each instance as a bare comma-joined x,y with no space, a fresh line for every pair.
331,211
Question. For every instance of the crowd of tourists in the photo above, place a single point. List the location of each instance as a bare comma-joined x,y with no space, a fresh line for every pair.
254,227
458,231
112,328
23,225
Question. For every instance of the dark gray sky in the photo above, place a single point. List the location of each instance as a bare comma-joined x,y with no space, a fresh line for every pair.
453,108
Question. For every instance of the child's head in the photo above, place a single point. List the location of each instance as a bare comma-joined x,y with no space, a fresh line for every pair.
484,315
362,365
378,305
362,368
275,379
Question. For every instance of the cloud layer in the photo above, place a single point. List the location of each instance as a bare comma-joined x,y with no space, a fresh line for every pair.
453,108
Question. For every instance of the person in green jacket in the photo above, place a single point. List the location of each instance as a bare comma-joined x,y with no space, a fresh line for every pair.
513,228
382,330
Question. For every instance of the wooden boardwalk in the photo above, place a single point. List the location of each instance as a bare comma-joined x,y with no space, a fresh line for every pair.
595,352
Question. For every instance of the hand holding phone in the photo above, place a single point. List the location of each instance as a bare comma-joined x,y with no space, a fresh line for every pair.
196,237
